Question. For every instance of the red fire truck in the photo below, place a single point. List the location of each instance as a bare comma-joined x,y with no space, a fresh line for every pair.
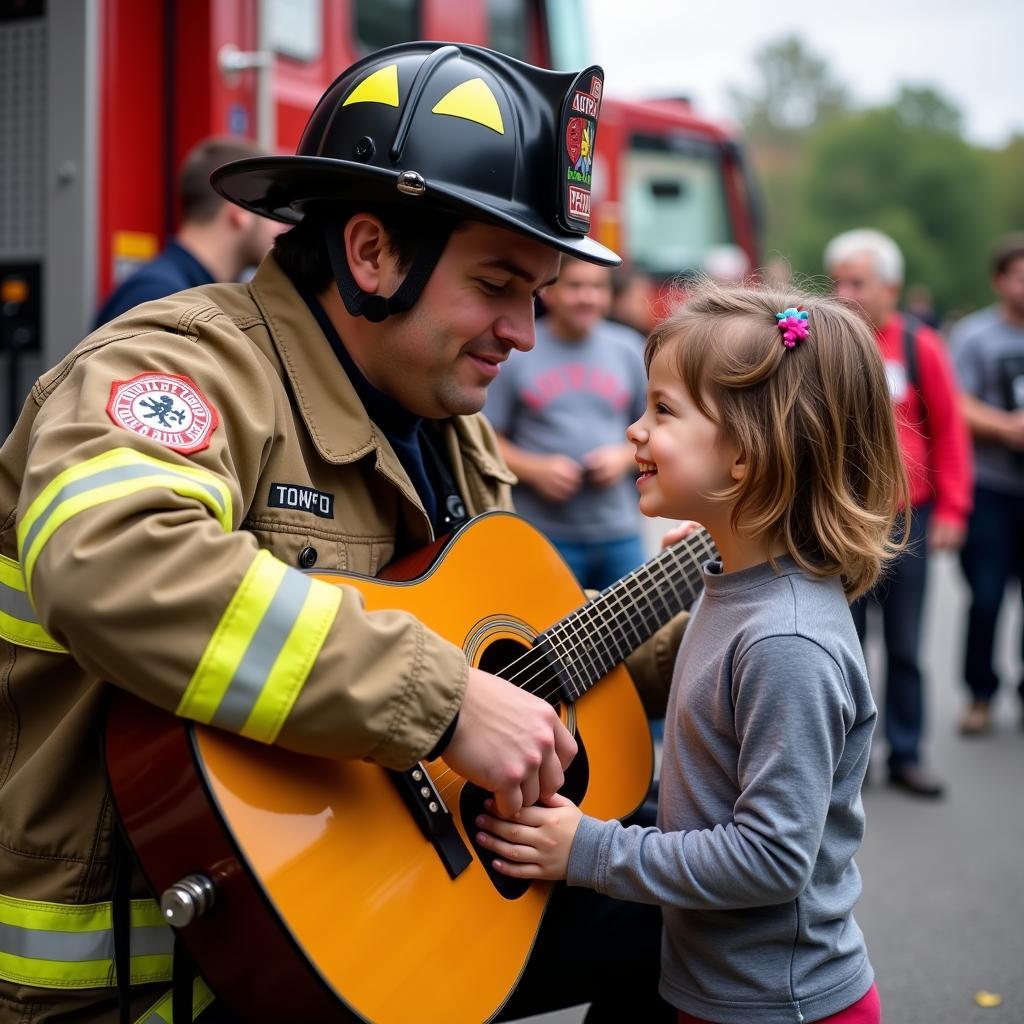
101,99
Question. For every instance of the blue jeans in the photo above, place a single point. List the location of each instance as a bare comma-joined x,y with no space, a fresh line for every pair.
900,596
992,555
599,564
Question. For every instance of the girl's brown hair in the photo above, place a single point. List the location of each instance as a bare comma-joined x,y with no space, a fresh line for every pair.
825,476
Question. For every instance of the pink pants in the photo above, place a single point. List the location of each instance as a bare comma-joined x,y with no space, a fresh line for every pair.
867,1010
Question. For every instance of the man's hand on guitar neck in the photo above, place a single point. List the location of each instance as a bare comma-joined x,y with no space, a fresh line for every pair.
684,528
510,743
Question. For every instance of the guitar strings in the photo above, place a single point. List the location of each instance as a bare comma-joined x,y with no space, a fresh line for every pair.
534,659
572,648
627,587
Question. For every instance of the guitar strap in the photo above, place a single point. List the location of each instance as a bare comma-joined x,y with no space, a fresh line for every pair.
183,971
121,924
183,968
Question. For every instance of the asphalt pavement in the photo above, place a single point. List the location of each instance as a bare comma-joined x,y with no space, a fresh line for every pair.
943,901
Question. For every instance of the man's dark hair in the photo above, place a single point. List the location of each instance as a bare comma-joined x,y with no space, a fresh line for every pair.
199,203
302,252
1007,251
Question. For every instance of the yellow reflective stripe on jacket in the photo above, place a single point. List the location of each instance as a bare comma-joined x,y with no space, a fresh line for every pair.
262,650
57,945
18,621
161,1011
107,477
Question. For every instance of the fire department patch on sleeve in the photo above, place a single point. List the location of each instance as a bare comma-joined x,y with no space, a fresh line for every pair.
165,407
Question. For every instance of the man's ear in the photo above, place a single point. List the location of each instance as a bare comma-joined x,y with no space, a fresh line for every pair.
369,258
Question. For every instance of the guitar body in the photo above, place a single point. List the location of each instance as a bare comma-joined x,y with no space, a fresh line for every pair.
331,902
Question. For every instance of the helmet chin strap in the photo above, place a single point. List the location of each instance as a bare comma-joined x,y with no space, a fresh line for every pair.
377,308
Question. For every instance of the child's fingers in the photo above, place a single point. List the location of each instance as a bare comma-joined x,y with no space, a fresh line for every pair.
517,831
557,800
512,852
533,871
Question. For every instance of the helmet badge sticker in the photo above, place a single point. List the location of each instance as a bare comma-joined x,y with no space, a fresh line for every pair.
166,408
580,112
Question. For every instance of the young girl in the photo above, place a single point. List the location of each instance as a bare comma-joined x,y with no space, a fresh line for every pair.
769,421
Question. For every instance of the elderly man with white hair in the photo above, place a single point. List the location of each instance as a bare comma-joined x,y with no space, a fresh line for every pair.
867,267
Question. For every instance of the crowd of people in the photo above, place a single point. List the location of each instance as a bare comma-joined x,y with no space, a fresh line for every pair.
169,483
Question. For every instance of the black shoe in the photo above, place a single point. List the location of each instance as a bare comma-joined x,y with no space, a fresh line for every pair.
913,779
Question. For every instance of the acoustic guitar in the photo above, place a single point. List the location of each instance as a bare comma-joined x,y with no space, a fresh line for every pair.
309,889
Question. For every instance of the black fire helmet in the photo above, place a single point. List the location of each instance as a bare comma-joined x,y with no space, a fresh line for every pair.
450,128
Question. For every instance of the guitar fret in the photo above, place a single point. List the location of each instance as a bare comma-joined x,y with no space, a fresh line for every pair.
599,635
583,651
607,661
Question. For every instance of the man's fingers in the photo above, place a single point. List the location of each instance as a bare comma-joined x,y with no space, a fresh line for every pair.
565,746
552,778
509,800
530,790
678,532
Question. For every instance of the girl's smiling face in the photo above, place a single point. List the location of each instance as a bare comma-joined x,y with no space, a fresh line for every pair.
682,456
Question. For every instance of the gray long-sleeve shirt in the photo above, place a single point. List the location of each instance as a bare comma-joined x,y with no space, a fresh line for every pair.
766,745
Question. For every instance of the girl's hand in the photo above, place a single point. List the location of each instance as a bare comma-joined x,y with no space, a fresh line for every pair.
536,843
679,531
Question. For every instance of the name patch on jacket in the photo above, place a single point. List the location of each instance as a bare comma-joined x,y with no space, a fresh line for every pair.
304,499
165,407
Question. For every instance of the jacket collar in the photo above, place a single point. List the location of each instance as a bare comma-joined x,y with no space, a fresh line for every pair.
337,422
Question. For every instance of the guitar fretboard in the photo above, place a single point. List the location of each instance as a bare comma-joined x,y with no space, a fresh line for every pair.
596,637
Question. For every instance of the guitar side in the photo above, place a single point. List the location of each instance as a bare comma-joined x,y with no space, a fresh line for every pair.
343,871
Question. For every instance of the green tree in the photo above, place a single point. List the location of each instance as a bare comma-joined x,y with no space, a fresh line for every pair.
924,109
1007,169
905,170
794,92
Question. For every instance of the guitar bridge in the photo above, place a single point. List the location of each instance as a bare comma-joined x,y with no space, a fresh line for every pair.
431,814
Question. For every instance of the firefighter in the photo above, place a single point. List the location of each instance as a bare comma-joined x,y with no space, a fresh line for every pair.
169,481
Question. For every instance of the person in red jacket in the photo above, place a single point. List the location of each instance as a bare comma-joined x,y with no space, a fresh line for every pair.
867,268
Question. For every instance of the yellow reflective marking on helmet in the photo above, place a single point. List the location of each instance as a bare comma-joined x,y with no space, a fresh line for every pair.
474,101
380,87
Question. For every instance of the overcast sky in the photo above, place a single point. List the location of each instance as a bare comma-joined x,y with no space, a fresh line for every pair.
972,51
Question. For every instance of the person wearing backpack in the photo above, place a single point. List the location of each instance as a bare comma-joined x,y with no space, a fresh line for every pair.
866,267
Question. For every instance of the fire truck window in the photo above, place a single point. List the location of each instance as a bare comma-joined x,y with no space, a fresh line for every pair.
566,24
506,23
675,205
385,22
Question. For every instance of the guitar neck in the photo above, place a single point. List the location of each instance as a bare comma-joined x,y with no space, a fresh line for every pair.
601,634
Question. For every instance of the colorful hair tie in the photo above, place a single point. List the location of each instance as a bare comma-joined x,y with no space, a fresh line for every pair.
792,324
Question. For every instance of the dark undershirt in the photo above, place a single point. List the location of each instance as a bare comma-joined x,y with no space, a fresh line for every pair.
417,443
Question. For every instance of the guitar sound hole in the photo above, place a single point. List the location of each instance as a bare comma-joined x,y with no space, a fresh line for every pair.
503,658
517,663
